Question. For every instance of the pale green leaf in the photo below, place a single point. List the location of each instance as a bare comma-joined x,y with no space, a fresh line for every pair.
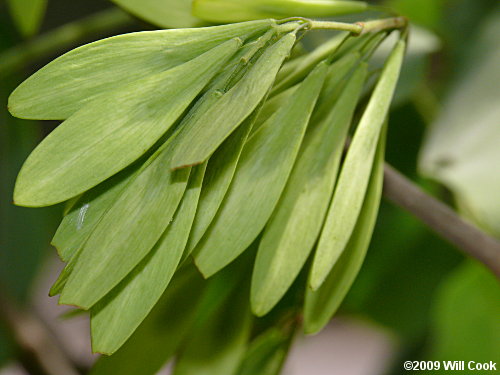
107,135
320,305
271,106
163,13
161,333
91,71
128,231
70,204
226,77
354,44
218,346
27,14
199,139
336,73
226,11
261,175
136,295
304,64
58,286
222,164
353,180
220,172
296,223
332,87
83,217
336,48
78,224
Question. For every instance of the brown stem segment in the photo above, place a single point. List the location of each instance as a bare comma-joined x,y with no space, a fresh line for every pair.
383,24
442,219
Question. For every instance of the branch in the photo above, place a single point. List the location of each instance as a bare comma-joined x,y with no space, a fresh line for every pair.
40,352
442,219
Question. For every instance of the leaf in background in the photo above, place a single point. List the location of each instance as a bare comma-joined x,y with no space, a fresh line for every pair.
136,295
107,135
320,305
261,175
27,14
226,11
91,71
202,137
128,230
218,346
429,13
161,333
462,149
7,346
266,354
422,43
294,227
162,13
223,285
80,221
466,316
355,174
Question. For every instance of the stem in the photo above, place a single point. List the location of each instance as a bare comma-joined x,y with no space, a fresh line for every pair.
61,38
426,103
360,28
442,219
341,26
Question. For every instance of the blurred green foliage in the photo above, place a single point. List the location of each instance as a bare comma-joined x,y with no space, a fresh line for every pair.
427,13
24,234
461,148
466,316
27,14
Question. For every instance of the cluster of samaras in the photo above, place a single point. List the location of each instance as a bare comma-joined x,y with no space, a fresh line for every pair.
204,144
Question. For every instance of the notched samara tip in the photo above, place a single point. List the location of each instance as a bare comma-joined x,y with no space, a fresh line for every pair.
178,167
